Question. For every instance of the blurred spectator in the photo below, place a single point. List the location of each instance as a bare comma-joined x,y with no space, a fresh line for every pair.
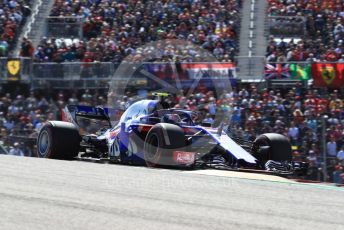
208,119
16,151
293,133
340,154
337,174
26,48
332,147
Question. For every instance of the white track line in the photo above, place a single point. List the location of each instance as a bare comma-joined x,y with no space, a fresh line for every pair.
240,175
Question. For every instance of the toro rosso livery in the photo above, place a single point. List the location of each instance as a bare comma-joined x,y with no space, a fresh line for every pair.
150,133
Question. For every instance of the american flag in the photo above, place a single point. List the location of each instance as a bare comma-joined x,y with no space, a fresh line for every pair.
277,71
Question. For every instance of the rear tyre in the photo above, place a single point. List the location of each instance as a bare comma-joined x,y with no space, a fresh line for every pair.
160,142
272,146
58,140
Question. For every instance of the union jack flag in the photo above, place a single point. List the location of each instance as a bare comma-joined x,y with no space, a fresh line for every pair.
277,71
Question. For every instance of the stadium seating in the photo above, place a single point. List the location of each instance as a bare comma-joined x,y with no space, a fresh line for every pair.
323,38
12,16
114,29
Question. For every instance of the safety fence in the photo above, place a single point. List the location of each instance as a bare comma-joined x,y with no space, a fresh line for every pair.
287,26
103,74
250,67
64,27
72,75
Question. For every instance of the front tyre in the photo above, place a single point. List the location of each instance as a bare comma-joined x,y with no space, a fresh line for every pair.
272,146
58,140
160,142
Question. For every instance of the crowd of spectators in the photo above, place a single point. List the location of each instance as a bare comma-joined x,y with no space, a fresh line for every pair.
114,29
298,113
13,14
21,116
323,37
308,30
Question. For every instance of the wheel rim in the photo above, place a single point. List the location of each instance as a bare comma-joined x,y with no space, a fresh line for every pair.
43,143
153,147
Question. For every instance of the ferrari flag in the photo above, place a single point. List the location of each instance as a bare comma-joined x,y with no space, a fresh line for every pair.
329,75
13,69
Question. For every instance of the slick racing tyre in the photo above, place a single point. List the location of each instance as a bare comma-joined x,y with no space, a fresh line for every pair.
58,140
272,146
160,142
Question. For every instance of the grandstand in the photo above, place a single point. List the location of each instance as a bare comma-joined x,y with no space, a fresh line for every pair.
13,15
315,30
284,58
120,28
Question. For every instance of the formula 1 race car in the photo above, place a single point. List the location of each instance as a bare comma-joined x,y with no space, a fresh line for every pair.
149,133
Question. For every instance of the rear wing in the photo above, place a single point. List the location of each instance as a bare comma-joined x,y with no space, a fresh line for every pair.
71,112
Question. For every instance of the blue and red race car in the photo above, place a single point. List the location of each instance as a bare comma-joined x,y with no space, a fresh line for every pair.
149,133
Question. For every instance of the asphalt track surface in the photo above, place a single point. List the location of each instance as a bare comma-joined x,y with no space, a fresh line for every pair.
50,194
